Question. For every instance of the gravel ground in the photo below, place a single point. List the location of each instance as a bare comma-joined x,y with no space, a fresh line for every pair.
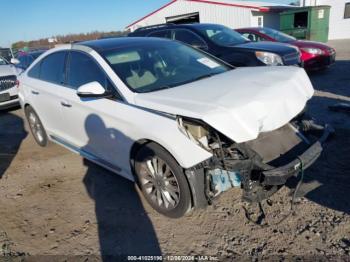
54,203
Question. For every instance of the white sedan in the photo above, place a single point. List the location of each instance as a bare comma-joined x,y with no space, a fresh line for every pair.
182,124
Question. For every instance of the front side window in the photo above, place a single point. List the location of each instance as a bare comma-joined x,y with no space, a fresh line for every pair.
52,68
222,35
34,72
151,66
347,10
188,37
82,69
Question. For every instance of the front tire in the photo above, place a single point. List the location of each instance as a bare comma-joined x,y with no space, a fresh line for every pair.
36,127
162,181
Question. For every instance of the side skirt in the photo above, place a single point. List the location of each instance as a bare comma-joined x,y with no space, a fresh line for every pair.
87,155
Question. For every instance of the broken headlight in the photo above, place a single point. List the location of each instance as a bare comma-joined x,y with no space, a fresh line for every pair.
195,131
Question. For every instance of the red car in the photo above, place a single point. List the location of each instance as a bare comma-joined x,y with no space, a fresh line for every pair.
314,55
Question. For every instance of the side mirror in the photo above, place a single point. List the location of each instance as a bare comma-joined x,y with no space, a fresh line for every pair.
92,89
14,61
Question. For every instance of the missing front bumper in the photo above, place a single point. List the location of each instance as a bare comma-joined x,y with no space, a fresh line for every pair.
280,175
260,177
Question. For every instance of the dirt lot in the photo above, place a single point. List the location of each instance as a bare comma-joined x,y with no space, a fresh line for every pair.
54,203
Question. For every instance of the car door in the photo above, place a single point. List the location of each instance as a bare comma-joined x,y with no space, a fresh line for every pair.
89,122
45,81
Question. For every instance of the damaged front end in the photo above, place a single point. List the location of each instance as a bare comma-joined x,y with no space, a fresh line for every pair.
260,166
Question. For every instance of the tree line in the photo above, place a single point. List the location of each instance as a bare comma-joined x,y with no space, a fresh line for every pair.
64,39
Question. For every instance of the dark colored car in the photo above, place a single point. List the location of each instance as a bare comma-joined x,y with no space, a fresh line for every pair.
314,55
25,59
225,44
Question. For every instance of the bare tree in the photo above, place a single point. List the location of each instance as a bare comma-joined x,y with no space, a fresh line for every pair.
62,39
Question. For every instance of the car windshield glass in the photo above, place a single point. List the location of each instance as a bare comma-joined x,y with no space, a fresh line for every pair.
222,35
277,35
151,66
3,61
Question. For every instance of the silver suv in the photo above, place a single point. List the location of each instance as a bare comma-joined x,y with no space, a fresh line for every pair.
8,84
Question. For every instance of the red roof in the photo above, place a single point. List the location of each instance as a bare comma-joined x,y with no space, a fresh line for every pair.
257,8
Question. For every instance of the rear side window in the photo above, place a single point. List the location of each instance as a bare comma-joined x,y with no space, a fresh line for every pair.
82,69
253,37
161,34
52,68
188,37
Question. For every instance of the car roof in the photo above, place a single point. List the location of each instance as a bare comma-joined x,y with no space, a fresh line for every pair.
111,43
169,26
250,28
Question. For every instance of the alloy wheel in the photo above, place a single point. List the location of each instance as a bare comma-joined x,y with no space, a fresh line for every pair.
160,183
36,127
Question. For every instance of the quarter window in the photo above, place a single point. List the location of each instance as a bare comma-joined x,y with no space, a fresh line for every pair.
82,70
347,10
52,68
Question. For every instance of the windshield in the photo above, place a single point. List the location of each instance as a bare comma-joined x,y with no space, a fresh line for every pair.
222,35
3,61
277,35
158,65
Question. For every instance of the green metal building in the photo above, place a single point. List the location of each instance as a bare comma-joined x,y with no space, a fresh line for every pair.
311,23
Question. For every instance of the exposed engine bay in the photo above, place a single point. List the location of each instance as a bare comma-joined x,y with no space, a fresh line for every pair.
260,166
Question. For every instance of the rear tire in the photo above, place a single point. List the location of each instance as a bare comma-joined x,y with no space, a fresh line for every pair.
36,127
162,181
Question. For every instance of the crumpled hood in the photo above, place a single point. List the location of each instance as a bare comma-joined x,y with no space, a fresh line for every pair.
240,103
7,70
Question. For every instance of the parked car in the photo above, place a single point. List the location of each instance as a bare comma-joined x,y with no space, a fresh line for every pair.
225,44
25,59
178,121
8,85
314,55
6,53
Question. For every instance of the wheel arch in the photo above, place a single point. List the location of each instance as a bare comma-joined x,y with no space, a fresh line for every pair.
142,142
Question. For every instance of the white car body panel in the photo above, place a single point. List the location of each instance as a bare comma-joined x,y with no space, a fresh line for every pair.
246,102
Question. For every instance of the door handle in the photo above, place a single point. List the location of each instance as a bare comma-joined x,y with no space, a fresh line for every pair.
65,104
35,92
